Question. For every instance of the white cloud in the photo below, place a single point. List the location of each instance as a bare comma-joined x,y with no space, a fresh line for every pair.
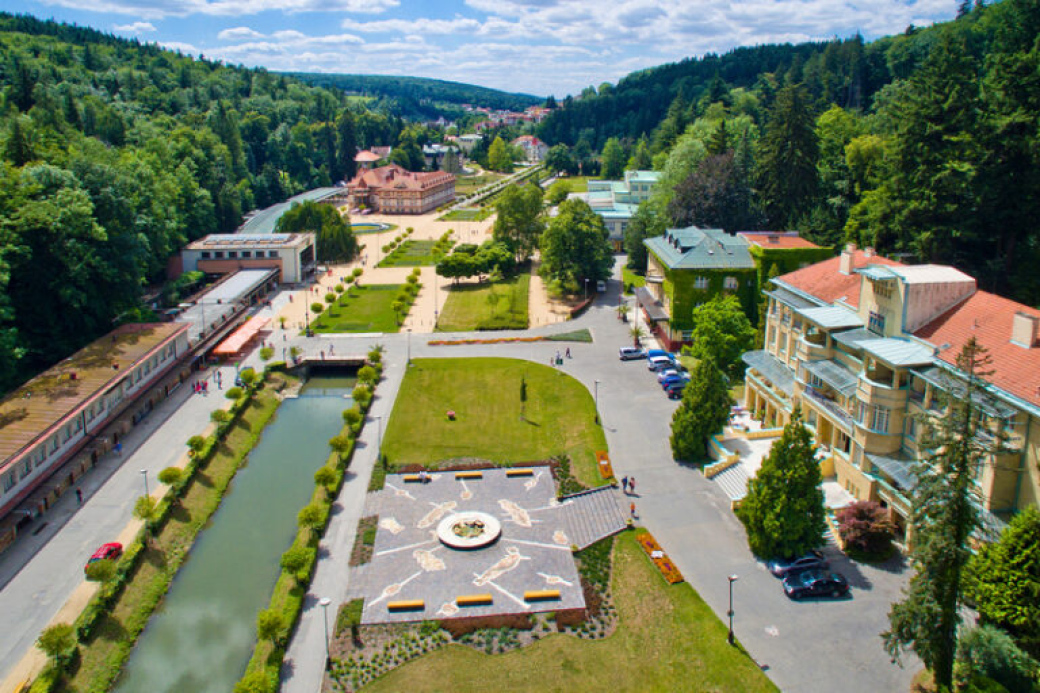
135,28
457,25
239,33
157,9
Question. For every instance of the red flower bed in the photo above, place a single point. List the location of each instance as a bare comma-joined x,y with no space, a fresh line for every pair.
664,564
499,340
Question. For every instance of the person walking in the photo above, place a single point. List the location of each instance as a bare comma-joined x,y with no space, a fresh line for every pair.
632,509
79,496
632,486
624,484
568,352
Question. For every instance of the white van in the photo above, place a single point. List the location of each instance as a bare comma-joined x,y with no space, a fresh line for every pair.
657,362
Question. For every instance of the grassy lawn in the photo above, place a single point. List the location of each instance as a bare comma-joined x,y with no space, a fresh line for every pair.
630,278
465,185
468,214
668,639
498,306
363,308
412,254
579,183
485,395
103,656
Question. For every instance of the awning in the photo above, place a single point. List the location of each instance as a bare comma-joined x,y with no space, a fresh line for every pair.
789,298
897,467
834,374
771,369
955,388
852,339
654,310
898,352
239,338
830,317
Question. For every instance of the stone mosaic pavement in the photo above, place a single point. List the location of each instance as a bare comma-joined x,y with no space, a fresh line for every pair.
409,562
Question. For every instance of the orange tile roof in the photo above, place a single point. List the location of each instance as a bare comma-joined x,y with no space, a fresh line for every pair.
393,176
825,282
988,318
783,241
33,409
366,156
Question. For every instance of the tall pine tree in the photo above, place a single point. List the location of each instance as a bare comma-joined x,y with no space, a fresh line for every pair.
787,166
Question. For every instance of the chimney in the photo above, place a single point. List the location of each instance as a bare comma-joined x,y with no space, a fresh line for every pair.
845,264
773,238
1024,330
868,252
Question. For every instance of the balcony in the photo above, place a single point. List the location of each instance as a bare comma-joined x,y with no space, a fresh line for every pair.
816,338
831,407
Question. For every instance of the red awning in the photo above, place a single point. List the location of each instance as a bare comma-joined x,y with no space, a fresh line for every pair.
239,338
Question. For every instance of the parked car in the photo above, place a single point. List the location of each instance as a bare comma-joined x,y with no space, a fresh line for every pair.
675,390
673,379
670,371
650,353
815,583
631,353
601,286
783,566
660,362
109,551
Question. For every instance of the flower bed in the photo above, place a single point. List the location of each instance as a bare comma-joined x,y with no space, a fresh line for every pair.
606,470
659,557
500,340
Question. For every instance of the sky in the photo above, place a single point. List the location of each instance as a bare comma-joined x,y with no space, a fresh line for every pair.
537,47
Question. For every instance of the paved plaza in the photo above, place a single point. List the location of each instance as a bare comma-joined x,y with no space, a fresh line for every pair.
411,562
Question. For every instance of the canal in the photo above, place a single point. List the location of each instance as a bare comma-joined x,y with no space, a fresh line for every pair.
201,637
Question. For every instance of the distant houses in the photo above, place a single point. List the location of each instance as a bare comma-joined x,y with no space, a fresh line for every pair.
533,148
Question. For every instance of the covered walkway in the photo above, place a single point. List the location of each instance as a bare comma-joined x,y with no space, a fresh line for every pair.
240,337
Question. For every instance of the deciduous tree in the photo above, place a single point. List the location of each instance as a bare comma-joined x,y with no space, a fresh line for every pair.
519,222
703,412
575,247
722,333
613,159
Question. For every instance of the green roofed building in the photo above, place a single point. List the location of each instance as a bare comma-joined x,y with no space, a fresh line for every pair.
617,200
688,267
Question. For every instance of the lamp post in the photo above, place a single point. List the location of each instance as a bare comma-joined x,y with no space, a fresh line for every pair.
379,438
325,601
144,473
409,338
586,288
732,579
597,400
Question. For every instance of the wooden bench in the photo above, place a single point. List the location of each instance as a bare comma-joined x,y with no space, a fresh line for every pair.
407,605
469,475
474,599
412,479
541,595
603,462
519,472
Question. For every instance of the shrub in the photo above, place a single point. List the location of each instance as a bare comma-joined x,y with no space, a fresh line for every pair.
352,416
458,627
412,279
416,272
255,681
989,653
349,615
341,444
196,444
101,571
312,516
325,476
234,393
266,353
386,248
248,376
220,416
171,475
339,288
865,528
357,272
317,307
57,641
362,397
330,297
295,559
269,624
349,278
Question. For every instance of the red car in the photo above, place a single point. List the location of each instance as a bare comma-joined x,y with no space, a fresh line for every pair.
110,551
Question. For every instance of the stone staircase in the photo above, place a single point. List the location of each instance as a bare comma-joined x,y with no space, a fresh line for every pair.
589,516
733,482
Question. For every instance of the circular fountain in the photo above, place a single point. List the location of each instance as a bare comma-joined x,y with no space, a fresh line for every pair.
468,530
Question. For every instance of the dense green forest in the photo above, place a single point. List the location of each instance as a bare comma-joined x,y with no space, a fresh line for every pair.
115,154
418,97
923,145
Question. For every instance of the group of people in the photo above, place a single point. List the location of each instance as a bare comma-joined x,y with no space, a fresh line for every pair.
201,387
628,485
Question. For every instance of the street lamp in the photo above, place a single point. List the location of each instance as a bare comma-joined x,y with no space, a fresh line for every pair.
409,338
379,438
732,579
586,288
597,400
144,473
325,601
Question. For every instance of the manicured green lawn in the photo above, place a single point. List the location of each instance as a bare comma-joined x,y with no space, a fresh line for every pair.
579,183
468,214
668,639
464,185
363,308
484,393
412,254
487,306
630,278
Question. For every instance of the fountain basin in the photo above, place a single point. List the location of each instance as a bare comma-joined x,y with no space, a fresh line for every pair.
469,530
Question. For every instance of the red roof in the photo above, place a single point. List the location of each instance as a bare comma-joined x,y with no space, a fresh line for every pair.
785,241
825,282
365,156
393,176
988,318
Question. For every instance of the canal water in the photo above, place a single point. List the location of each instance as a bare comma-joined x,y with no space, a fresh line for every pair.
201,638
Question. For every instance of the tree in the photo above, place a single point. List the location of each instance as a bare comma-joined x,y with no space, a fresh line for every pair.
248,377
368,375
196,444
703,412
1003,580
450,163
519,223
255,681
787,173
641,159
943,518
145,509
341,444
783,511
649,221
57,641
171,475
865,529
311,516
269,624
574,247
558,191
722,333
559,160
613,159
523,395
325,476
714,196
987,654
101,571
346,146
220,416
499,157
333,237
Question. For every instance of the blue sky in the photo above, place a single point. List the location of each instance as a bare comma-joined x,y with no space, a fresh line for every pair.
533,46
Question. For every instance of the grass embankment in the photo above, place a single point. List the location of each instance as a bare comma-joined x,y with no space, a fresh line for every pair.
467,185
501,305
414,254
668,639
361,309
105,652
559,416
468,214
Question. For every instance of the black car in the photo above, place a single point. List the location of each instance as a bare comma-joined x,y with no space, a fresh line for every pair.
815,583
783,566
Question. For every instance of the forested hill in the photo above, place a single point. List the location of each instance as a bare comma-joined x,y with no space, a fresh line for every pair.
115,154
418,96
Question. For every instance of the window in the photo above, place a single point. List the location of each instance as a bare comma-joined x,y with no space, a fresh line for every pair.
232,254
219,255
883,289
272,253
205,254
700,283
877,322
876,418
9,481
26,468
814,380
730,284
247,253
910,427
